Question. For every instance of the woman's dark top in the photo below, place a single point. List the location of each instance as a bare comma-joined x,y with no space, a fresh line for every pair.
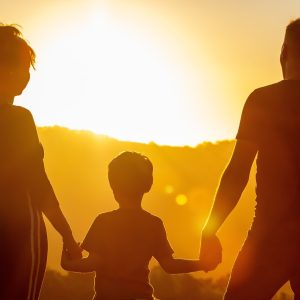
24,192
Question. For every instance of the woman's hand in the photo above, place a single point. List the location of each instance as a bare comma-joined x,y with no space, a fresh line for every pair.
85,265
72,248
65,259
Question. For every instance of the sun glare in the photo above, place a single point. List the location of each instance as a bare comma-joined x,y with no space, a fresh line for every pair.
114,79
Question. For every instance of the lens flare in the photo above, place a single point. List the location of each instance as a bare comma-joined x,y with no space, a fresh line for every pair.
181,199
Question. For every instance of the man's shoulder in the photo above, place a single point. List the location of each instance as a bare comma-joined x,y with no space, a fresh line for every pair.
266,89
263,96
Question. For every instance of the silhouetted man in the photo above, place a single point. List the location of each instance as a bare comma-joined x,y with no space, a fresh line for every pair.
270,128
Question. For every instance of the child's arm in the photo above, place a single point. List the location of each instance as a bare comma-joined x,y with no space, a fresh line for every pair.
88,264
176,266
163,253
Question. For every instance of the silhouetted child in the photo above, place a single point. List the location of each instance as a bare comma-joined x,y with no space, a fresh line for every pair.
122,242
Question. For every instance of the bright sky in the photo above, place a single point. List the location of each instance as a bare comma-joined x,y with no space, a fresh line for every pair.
174,71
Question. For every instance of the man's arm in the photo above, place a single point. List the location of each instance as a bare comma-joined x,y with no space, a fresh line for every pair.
233,182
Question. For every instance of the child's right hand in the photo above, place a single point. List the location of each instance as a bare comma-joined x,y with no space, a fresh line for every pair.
73,248
65,258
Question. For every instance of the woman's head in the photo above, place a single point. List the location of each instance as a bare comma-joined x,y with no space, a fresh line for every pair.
16,58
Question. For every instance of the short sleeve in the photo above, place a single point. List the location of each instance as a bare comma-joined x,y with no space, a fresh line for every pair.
162,247
251,120
91,242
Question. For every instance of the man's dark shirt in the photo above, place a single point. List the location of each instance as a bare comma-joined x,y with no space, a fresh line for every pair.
271,120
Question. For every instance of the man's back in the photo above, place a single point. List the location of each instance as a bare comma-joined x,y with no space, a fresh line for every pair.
271,120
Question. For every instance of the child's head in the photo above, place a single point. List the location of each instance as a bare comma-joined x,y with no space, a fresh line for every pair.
130,175
16,57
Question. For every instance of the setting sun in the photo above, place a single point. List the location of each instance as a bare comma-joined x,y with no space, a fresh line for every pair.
145,71
113,79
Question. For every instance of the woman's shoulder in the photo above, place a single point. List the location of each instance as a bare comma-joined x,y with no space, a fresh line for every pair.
23,117
16,112
16,119
22,112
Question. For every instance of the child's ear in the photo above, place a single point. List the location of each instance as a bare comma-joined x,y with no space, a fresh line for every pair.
148,185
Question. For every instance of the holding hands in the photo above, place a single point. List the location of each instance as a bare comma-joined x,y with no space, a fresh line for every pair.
72,248
210,252
72,261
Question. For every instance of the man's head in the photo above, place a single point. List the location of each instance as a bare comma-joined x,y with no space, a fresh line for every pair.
130,175
290,51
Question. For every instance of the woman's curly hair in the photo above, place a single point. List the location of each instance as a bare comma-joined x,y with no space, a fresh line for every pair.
14,49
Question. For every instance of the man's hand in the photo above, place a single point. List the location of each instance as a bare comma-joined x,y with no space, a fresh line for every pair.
211,252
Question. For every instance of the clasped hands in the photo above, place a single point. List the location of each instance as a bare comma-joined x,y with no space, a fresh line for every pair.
71,248
210,251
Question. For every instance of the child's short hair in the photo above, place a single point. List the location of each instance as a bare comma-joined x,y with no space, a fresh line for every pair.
14,50
130,173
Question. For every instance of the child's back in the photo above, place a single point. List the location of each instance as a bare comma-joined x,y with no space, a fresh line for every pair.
121,242
126,239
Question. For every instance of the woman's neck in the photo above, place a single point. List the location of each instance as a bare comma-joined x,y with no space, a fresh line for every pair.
4,99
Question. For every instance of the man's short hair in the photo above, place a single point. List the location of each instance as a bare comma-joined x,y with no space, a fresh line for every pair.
130,173
292,36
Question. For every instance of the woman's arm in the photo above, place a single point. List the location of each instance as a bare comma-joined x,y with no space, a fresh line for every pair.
39,186
58,221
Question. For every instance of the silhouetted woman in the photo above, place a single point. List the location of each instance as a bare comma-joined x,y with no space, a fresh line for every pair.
25,191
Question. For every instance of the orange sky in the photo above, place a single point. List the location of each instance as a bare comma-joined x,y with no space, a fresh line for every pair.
173,72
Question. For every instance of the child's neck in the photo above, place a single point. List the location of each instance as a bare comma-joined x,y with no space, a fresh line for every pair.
130,203
130,206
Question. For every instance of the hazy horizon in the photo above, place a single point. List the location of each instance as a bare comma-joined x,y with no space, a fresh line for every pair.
103,135
175,72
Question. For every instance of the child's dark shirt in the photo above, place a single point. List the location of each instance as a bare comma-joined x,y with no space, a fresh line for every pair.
126,240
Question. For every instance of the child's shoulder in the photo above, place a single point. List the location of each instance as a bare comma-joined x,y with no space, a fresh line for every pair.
118,215
151,216
153,219
105,215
